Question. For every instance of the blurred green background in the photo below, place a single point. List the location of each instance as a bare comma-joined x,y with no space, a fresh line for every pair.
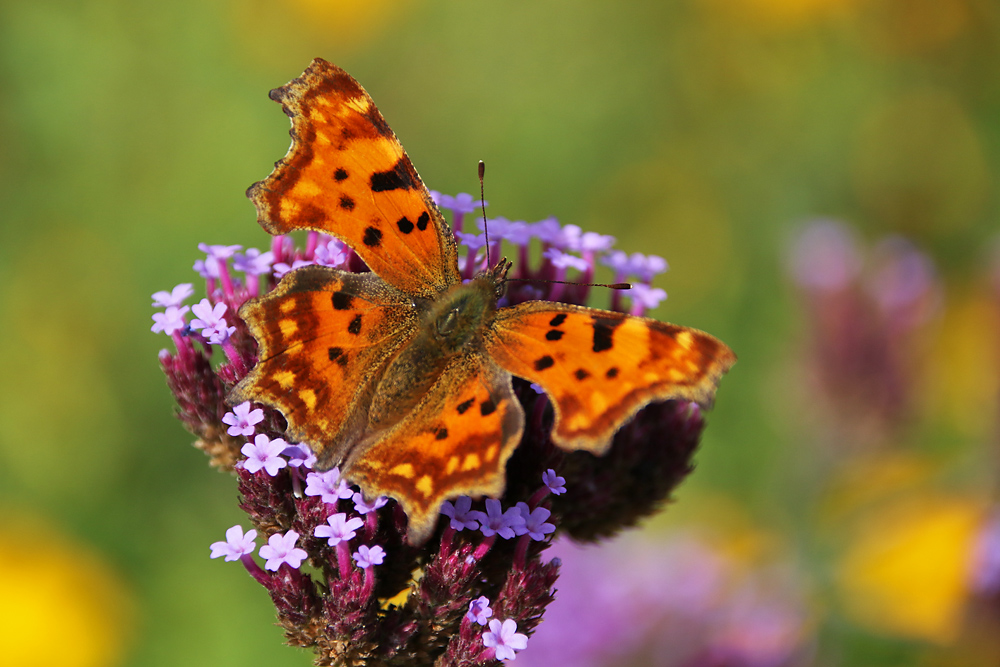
705,131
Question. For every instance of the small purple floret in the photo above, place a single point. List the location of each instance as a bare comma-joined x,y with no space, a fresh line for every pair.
366,557
646,296
211,321
505,638
264,453
556,484
254,262
494,521
564,260
242,420
281,549
534,522
461,516
299,456
237,544
328,485
174,297
479,610
339,528
170,321
364,507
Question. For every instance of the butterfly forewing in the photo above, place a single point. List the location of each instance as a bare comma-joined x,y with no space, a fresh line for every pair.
455,442
599,367
346,174
323,337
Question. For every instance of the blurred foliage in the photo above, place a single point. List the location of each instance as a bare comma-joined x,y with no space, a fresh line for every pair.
706,131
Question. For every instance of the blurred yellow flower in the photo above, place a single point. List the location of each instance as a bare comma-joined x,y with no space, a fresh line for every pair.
60,603
906,567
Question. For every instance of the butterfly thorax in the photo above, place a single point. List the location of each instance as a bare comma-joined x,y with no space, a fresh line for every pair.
448,326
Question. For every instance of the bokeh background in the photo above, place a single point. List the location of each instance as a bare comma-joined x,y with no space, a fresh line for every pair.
841,511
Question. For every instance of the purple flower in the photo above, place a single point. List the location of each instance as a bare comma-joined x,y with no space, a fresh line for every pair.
174,297
534,522
479,610
254,262
555,483
472,241
170,321
339,528
594,242
364,507
299,456
211,321
495,521
460,203
505,638
643,267
222,252
217,256
281,549
331,253
548,231
460,514
264,453
646,296
563,260
825,256
242,420
236,545
281,268
328,485
366,557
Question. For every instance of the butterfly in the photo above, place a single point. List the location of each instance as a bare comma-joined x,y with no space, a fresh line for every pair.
402,376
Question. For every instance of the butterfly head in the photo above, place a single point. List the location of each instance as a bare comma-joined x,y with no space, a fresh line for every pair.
496,276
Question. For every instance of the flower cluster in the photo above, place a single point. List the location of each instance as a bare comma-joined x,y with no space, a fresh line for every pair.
867,308
336,564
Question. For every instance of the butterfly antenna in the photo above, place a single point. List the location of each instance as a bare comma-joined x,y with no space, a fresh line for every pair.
621,286
482,204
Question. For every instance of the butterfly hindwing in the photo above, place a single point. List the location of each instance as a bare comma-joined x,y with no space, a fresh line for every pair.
323,337
455,442
599,367
347,175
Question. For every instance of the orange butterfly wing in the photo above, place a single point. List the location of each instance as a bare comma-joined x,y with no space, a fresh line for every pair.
324,335
455,442
347,175
600,367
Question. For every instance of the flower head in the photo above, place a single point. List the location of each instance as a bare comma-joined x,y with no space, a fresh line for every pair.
556,484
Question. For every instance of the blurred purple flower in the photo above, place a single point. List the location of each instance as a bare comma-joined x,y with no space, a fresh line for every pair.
174,297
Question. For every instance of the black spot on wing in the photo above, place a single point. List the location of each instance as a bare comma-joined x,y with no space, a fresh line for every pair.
397,178
337,354
405,225
581,374
441,434
604,329
612,373
553,334
465,405
346,203
487,407
340,174
557,320
355,326
373,237
341,301
544,362
423,220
